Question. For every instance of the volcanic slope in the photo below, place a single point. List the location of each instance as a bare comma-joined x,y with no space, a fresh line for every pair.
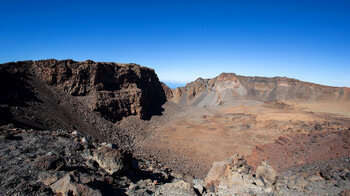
87,96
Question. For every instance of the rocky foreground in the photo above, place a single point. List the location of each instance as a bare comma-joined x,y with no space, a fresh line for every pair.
80,128
70,163
67,162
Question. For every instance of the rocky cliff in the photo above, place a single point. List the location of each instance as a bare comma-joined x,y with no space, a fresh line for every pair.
228,87
114,90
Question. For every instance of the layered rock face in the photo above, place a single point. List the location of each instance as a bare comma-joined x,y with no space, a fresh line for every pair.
114,90
228,86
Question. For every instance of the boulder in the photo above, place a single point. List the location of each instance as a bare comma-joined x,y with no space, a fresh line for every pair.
175,189
198,185
234,177
266,173
70,185
345,192
215,175
49,162
109,159
47,178
297,182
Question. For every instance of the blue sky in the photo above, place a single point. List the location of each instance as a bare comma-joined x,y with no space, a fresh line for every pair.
184,40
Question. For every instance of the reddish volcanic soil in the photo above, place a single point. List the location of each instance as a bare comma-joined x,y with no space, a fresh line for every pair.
294,150
285,135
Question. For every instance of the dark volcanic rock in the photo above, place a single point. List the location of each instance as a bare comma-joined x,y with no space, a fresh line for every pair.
114,90
13,86
49,162
110,159
5,114
43,163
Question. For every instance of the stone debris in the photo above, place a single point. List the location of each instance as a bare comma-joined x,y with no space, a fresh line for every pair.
175,188
109,159
70,185
49,162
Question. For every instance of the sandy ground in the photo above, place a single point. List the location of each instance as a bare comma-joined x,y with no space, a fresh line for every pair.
329,107
199,136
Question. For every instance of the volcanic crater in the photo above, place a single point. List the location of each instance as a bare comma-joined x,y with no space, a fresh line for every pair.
278,124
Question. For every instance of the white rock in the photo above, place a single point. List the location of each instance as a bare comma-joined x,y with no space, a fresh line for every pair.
83,140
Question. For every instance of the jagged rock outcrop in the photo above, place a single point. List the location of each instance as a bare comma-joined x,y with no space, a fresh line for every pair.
110,159
70,184
234,176
114,90
168,92
175,188
228,86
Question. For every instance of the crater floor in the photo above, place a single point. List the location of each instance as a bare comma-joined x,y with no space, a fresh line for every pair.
191,138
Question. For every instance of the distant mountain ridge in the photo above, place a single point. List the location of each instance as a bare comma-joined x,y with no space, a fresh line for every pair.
228,87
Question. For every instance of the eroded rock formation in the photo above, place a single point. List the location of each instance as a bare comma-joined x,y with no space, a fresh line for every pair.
112,89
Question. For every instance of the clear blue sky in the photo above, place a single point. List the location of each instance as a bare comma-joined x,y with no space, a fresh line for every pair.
183,40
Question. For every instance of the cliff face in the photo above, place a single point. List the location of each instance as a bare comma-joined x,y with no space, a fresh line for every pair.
114,90
111,89
228,86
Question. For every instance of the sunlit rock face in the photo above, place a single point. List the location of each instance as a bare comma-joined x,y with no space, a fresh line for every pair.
112,89
228,87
